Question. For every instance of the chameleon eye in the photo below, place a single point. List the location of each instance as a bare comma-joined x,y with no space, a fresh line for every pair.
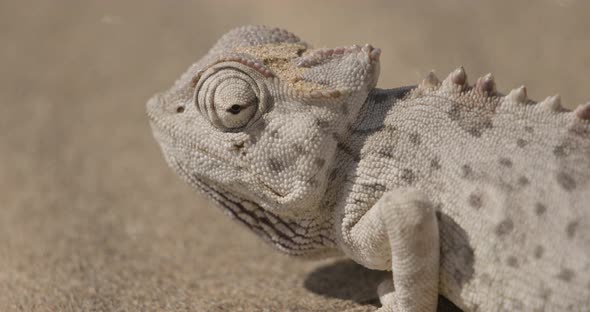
235,109
230,95
235,102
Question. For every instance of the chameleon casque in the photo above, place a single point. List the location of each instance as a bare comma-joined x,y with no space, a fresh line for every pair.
455,188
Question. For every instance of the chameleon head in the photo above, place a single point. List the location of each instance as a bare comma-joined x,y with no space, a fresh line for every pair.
259,116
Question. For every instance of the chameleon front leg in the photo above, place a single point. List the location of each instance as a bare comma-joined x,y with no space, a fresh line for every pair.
407,218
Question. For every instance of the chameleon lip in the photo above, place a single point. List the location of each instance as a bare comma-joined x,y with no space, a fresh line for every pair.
240,213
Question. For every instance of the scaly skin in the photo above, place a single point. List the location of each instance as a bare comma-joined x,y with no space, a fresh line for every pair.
458,190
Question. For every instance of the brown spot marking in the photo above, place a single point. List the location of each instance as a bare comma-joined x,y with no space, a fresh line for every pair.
435,163
560,150
385,152
238,145
276,165
319,162
415,138
408,176
540,208
512,262
571,229
476,132
566,181
529,129
466,171
472,120
538,252
375,187
521,143
475,201
457,249
523,181
505,162
478,129
455,112
566,275
504,227
322,124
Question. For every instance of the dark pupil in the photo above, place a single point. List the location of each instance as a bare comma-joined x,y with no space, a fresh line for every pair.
235,109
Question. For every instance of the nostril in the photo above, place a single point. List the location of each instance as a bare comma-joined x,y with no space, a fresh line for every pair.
180,109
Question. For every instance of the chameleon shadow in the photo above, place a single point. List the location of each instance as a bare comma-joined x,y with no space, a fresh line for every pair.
347,280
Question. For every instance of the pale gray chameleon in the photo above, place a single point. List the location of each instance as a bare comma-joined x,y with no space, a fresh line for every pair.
457,189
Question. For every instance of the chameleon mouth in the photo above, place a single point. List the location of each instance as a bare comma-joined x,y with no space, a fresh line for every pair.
262,222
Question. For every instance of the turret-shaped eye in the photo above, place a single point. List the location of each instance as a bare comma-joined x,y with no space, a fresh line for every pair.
231,95
235,102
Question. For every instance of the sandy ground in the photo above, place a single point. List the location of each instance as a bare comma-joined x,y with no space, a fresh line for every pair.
91,219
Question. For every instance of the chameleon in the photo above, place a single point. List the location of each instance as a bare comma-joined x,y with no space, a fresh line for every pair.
457,189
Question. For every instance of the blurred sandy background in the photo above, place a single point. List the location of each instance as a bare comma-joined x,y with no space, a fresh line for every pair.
91,219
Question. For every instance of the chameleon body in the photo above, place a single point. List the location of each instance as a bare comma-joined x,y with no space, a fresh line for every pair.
455,188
